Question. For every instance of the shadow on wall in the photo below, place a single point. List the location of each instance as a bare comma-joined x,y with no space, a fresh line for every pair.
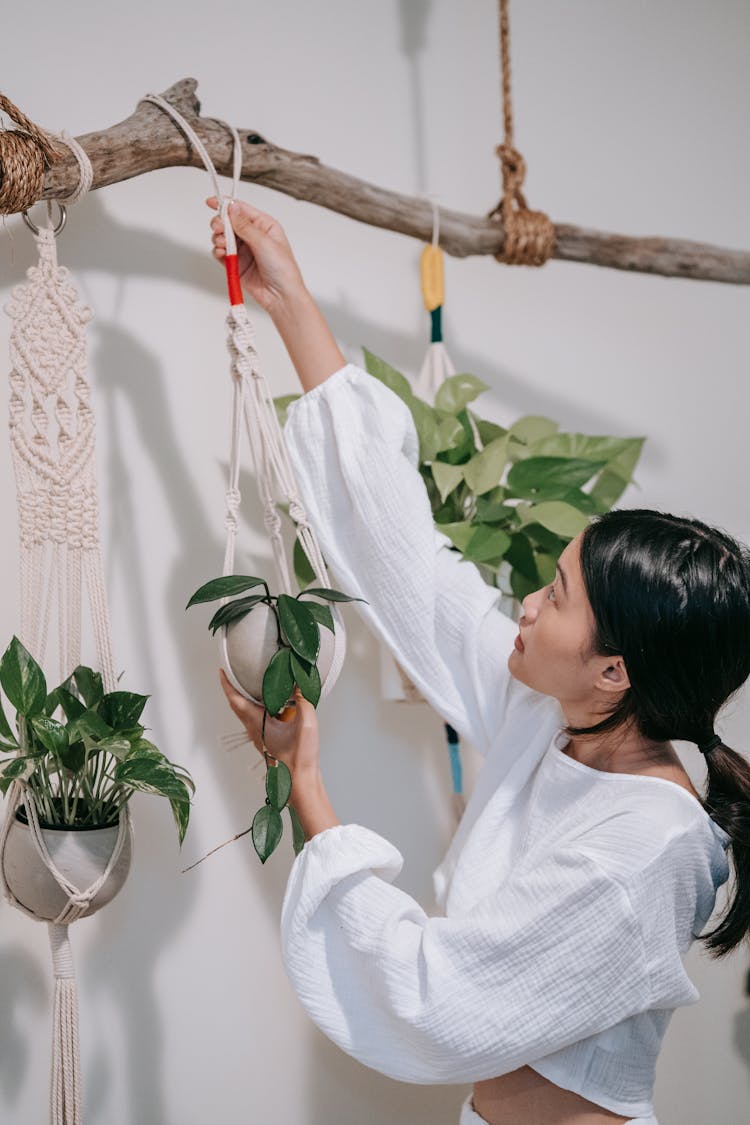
22,987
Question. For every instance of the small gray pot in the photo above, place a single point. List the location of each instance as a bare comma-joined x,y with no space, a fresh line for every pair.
248,645
80,854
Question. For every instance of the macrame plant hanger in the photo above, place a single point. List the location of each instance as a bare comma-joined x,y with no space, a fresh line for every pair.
252,402
52,443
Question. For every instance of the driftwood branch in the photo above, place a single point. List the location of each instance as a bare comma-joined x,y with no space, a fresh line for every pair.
148,140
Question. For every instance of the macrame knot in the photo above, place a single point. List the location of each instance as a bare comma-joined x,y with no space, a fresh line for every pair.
25,153
529,235
233,500
271,518
298,514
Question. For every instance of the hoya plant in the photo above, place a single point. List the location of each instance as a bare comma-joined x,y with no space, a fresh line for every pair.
81,751
509,500
290,659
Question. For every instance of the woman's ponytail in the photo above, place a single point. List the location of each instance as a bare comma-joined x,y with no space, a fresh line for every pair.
727,801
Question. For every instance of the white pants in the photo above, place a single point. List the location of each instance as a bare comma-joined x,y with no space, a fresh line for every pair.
469,1116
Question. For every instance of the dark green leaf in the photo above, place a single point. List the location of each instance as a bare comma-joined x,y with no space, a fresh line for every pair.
300,627
89,725
551,543
6,734
122,709
521,585
278,785
552,476
298,832
72,707
74,757
333,595
278,681
307,677
89,684
225,587
267,830
181,814
521,557
321,613
456,391
303,571
233,612
488,431
22,679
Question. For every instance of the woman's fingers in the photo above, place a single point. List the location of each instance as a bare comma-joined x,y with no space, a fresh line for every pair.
249,713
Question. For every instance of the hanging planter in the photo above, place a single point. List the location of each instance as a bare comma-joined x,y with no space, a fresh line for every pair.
83,856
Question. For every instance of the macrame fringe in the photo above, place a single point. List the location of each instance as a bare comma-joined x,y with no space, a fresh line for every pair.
65,1085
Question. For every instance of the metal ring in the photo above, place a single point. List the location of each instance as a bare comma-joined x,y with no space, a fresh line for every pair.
55,230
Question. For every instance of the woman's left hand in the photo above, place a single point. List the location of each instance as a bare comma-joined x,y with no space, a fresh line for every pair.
295,743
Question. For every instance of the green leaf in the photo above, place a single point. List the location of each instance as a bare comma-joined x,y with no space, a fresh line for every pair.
484,471
89,725
267,830
281,403
587,447
450,431
298,832
392,378
550,475
446,476
18,769
490,507
427,425
533,427
233,612
22,679
487,431
521,585
71,705
278,785
226,587
546,566
89,684
181,813
122,709
303,571
119,748
552,544
456,391
74,757
307,677
463,450
522,558
6,734
300,627
321,613
333,595
459,533
278,681
487,544
558,517
52,735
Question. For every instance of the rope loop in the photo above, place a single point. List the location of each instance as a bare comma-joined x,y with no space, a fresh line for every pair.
25,153
529,235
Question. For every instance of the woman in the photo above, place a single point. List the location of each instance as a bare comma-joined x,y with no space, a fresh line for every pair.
586,863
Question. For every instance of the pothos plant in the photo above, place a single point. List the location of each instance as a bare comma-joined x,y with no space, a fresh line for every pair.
514,504
295,662
83,766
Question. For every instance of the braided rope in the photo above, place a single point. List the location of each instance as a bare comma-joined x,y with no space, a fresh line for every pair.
529,235
25,153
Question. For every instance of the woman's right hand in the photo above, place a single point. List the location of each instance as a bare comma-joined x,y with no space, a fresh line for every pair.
268,268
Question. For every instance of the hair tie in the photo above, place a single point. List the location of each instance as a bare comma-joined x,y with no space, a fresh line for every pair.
713,741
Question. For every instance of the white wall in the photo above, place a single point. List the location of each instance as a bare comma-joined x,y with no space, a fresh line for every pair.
633,118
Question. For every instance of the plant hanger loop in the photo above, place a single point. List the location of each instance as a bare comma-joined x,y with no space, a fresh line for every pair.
529,235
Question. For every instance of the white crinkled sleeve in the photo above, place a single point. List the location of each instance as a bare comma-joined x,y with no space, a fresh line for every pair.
546,961
355,455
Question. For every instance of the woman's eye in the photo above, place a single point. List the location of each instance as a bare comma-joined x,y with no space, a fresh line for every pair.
550,592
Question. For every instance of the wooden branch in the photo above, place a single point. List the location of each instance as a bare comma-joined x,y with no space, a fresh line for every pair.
149,139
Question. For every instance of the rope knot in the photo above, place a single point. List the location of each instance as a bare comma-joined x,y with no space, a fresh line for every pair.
25,153
298,514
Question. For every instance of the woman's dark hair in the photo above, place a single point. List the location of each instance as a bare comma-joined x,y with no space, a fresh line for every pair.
672,597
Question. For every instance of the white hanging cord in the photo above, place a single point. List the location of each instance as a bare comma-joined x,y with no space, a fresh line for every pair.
252,400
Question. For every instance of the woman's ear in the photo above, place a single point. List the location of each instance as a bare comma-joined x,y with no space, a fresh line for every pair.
614,676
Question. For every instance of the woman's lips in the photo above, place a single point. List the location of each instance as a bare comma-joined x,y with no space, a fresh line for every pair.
518,643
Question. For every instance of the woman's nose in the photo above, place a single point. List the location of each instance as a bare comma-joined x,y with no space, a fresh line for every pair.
530,608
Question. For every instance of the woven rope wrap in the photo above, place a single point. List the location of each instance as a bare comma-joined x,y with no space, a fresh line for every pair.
529,235
25,153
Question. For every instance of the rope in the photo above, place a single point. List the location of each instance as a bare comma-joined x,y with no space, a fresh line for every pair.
25,153
529,235
253,404
85,169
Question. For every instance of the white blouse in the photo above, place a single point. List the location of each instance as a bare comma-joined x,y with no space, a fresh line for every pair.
569,893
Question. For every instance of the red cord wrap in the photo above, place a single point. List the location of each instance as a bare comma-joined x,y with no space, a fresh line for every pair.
233,279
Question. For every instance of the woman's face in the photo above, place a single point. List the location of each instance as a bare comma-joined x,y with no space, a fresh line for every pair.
554,654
